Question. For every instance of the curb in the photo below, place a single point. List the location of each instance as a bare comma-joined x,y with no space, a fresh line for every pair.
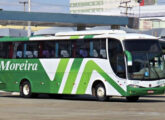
3,93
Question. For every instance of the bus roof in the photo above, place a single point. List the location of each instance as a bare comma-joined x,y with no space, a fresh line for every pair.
115,34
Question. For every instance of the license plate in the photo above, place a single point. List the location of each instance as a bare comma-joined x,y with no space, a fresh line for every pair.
150,91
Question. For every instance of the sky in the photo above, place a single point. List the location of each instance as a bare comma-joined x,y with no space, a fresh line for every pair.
59,6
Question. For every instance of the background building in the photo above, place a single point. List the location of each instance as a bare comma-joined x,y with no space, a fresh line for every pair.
97,6
150,12
149,2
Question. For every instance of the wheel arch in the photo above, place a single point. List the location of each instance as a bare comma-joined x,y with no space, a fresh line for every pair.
95,83
22,92
25,80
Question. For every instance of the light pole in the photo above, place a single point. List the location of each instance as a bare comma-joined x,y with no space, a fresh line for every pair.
29,5
24,3
139,1
29,23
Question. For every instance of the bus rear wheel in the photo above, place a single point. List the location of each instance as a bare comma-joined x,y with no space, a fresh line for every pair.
132,98
25,90
100,92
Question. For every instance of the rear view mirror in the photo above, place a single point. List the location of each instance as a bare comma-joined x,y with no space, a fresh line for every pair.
129,58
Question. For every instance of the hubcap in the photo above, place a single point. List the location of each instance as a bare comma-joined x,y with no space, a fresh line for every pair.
100,92
26,89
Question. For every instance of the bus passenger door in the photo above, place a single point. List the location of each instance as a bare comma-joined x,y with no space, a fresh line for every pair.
120,66
117,61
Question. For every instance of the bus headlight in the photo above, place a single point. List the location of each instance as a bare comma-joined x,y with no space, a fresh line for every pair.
134,86
162,85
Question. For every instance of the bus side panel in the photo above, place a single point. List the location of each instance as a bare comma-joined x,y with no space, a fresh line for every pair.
16,70
98,69
63,76
55,69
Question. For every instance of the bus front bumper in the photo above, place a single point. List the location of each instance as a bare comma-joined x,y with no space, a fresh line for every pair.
144,91
2,85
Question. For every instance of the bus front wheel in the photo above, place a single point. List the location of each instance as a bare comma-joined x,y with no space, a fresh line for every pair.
25,90
100,92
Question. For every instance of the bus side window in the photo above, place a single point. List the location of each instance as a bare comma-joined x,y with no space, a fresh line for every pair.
45,52
83,52
31,50
64,53
56,49
73,49
94,48
103,53
65,49
11,50
19,49
98,48
6,50
82,49
49,49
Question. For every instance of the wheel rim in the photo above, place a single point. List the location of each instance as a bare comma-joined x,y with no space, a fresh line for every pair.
100,92
26,89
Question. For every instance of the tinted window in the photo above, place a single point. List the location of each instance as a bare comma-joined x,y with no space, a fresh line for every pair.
116,57
89,48
64,48
162,43
98,48
48,49
31,50
6,49
19,49
142,45
82,48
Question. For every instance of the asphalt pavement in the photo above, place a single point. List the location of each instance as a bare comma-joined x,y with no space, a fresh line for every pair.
13,107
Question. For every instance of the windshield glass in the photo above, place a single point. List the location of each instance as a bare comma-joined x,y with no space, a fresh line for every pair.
162,44
147,60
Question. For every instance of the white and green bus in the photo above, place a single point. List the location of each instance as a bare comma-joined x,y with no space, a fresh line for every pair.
100,63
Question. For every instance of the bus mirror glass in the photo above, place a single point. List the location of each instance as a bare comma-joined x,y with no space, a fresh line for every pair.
129,58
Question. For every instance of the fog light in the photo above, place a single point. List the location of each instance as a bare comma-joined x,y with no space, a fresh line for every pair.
134,86
162,85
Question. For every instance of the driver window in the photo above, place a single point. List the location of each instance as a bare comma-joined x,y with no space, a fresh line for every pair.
116,57
120,66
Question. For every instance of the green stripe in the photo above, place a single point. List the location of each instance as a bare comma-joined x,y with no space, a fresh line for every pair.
89,68
88,36
74,37
9,39
56,83
72,76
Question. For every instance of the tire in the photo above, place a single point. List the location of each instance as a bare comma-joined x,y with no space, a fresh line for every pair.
25,90
100,92
132,98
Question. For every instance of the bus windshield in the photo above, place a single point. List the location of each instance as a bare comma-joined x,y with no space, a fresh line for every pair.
147,60
162,44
